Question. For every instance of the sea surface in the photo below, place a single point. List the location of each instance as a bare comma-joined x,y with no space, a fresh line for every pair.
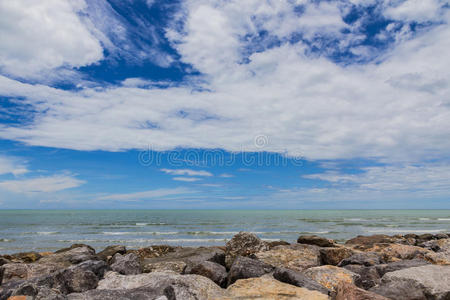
49,230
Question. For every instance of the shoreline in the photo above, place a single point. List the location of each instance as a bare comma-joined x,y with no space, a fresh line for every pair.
364,267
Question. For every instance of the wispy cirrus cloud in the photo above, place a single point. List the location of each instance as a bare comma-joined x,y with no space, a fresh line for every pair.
187,172
150,194
12,165
48,184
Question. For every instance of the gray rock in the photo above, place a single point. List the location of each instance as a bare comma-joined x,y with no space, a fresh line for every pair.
211,270
315,240
346,291
66,257
110,251
131,294
366,242
399,265
17,271
364,258
244,267
334,255
298,279
126,264
243,244
368,276
425,282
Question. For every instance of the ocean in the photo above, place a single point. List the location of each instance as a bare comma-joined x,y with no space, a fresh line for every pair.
49,230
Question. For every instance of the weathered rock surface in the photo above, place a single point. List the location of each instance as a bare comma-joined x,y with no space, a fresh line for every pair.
153,251
396,252
425,282
330,276
266,288
362,258
211,270
16,271
131,294
66,257
177,266
296,257
127,264
164,283
399,265
348,291
244,267
315,240
243,244
23,257
368,276
110,251
299,279
334,255
365,242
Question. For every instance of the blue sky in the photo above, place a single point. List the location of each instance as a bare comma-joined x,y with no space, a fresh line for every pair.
225,104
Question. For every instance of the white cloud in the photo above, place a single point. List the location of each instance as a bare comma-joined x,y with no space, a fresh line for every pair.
151,194
41,184
397,108
187,172
226,175
12,165
414,10
187,179
39,36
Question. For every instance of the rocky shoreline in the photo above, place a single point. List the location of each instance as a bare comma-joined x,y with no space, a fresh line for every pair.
401,267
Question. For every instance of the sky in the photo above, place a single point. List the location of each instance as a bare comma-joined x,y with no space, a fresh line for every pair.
255,104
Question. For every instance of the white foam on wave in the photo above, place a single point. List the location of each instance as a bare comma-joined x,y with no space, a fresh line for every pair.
140,232
46,232
424,219
408,230
443,219
146,224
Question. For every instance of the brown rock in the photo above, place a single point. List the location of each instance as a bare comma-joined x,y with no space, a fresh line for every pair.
348,291
296,257
176,266
365,242
267,288
25,271
243,244
396,252
334,255
20,298
24,257
153,251
315,240
330,276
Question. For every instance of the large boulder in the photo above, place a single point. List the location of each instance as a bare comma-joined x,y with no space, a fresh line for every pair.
334,255
315,240
16,271
69,256
165,283
23,257
365,242
348,291
127,264
243,244
400,265
267,288
211,270
396,252
441,256
296,257
244,267
129,294
110,251
368,276
183,259
299,279
331,276
425,282
363,258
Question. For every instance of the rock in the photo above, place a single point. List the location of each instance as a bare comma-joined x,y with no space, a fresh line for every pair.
20,298
153,251
296,257
126,264
130,294
425,282
315,240
439,258
243,244
273,244
66,257
110,251
396,252
399,265
244,267
24,257
365,242
4,261
266,288
299,279
334,255
368,276
441,248
330,276
362,258
97,267
211,270
188,256
348,291
176,266
15,271
165,283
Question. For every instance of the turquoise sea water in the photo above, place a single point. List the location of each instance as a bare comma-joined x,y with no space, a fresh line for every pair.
42,230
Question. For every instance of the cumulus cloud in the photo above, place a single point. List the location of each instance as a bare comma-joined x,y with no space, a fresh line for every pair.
39,36
41,184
